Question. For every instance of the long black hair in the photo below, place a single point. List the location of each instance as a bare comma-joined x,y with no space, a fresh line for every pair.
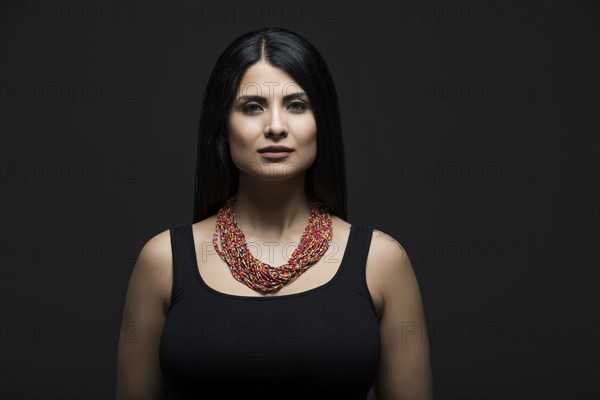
216,176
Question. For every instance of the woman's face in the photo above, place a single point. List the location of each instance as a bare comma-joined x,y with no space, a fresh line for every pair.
270,108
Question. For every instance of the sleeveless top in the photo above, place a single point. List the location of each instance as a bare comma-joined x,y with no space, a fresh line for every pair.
320,343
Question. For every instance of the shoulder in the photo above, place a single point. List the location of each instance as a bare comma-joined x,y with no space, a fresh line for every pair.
386,248
389,267
155,260
157,248
154,266
404,370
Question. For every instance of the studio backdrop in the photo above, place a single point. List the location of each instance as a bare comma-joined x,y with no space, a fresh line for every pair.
470,135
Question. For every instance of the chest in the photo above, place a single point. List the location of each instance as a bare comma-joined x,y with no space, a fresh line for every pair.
330,342
218,275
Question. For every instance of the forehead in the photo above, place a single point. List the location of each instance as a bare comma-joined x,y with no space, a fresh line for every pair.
263,79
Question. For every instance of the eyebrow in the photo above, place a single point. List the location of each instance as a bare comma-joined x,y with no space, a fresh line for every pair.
262,99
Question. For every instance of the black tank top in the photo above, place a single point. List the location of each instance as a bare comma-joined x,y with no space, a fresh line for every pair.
320,343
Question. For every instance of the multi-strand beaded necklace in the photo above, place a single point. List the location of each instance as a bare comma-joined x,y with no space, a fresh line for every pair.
261,276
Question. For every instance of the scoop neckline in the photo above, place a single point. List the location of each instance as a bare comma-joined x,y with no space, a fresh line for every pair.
278,297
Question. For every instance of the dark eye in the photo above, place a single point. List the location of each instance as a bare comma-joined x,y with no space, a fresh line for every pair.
250,108
298,105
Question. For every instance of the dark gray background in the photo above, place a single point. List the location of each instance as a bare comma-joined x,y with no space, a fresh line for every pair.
471,136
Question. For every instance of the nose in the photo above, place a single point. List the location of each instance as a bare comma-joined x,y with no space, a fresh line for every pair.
275,124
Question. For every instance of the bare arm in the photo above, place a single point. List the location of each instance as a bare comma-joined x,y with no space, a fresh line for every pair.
405,370
144,315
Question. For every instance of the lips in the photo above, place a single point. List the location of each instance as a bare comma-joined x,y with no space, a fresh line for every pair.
275,149
275,156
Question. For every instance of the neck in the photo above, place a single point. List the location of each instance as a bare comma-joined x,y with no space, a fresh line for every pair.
272,210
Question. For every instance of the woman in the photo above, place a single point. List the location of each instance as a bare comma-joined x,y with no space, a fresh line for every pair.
271,292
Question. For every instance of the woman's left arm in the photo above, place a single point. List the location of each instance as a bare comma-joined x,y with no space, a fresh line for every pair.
404,369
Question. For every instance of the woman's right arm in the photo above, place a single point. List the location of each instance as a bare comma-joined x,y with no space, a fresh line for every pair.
144,315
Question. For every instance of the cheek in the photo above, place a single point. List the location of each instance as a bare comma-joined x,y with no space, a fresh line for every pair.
243,127
242,133
306,134
306,129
